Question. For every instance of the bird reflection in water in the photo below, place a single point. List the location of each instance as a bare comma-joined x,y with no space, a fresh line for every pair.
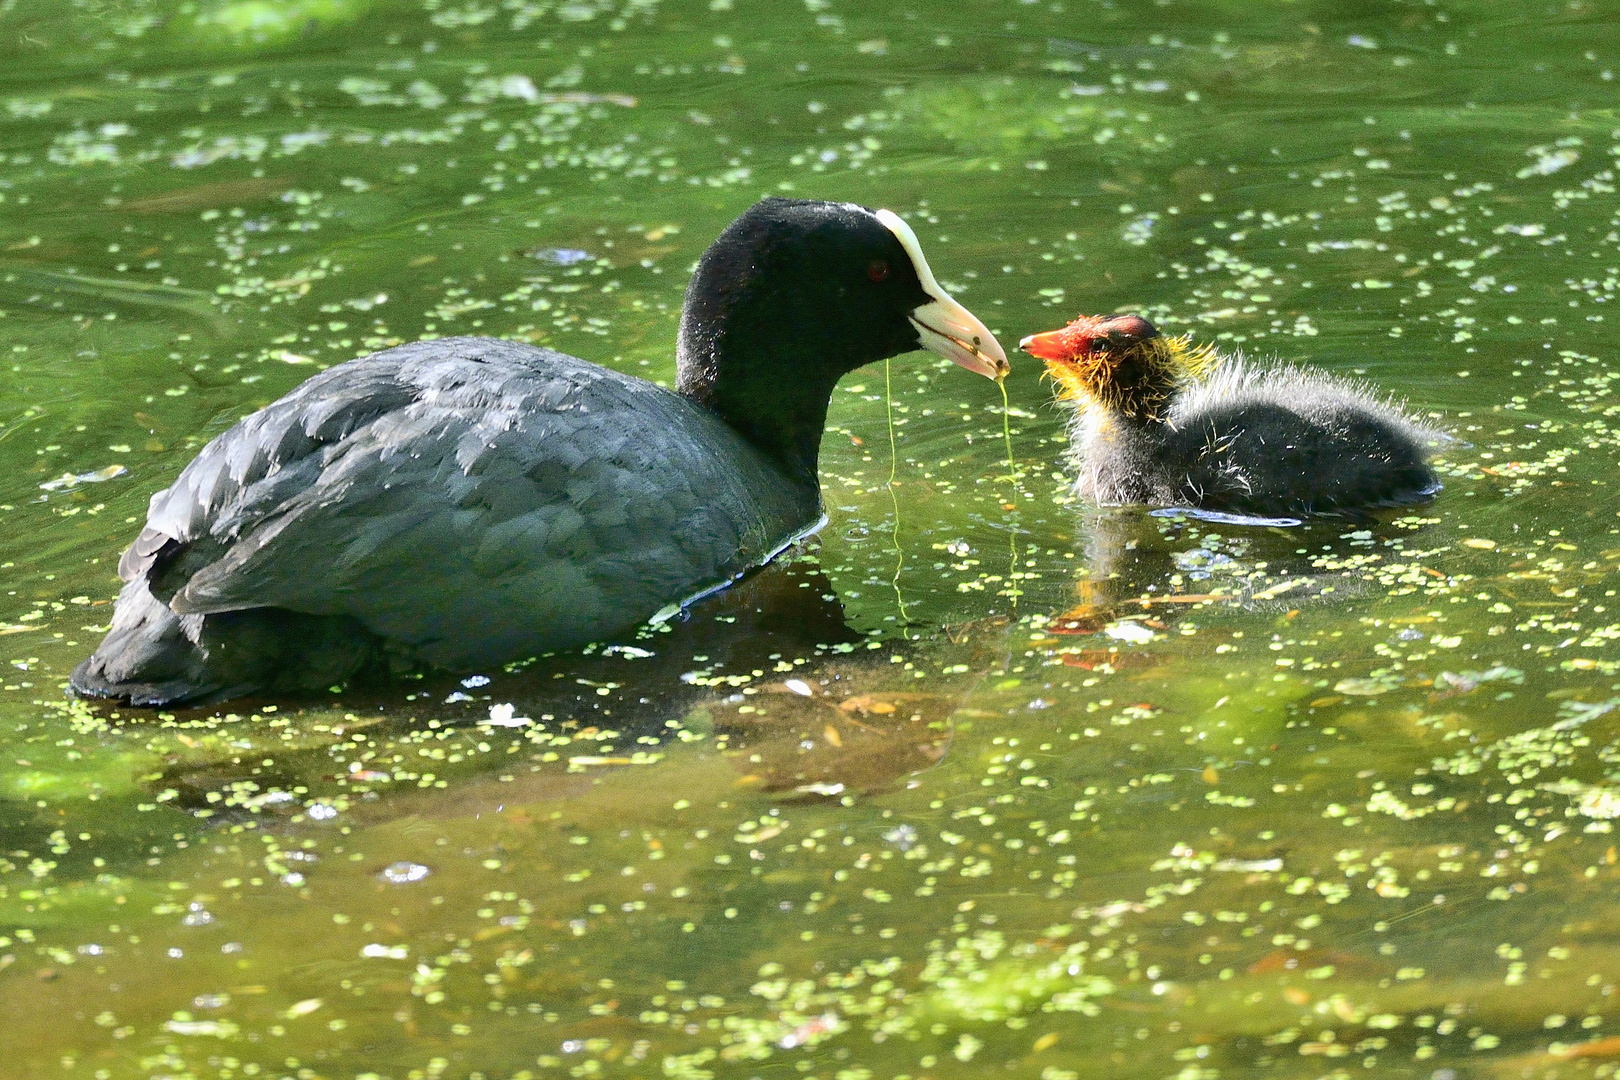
768,676
1146,570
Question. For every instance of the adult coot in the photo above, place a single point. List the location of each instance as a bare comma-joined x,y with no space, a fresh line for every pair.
465,501
1163,422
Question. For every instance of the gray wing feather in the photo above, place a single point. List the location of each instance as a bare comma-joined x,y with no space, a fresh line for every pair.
471,498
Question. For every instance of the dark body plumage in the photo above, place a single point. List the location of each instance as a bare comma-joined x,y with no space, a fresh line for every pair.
465,501
1262,441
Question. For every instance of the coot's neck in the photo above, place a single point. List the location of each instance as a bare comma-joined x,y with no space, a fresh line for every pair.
780,407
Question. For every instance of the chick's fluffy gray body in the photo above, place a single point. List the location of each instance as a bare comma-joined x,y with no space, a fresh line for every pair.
1259,440
468,500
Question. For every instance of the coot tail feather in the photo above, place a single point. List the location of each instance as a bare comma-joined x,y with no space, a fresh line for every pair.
155,657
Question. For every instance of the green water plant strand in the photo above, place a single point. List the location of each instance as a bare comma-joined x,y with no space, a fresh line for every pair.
1013,591
1006,430
894,467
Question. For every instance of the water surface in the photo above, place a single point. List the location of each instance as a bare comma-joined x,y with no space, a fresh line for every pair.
982,779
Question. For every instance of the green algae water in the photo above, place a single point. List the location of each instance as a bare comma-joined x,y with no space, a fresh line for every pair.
1156,797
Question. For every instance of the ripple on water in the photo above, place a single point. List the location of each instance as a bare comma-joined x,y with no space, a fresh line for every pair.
403,873
1219,517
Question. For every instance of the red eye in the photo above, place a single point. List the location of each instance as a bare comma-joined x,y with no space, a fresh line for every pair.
877,270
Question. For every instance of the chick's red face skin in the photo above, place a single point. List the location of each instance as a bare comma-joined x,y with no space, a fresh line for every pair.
1058,345
1088,334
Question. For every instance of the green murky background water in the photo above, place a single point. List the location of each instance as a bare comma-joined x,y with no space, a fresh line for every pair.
1335,801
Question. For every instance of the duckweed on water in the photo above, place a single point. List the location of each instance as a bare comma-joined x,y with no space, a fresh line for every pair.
1215,799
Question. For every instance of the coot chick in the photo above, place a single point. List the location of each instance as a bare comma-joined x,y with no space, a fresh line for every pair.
1161,421
466,501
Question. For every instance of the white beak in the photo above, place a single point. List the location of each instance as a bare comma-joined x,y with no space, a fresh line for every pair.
944,326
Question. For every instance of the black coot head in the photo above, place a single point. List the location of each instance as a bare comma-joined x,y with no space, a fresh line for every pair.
817,289
795,294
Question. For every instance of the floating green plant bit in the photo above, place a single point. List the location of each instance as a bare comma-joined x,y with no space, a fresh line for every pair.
263,22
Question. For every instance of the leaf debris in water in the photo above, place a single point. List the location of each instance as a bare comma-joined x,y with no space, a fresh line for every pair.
68,481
